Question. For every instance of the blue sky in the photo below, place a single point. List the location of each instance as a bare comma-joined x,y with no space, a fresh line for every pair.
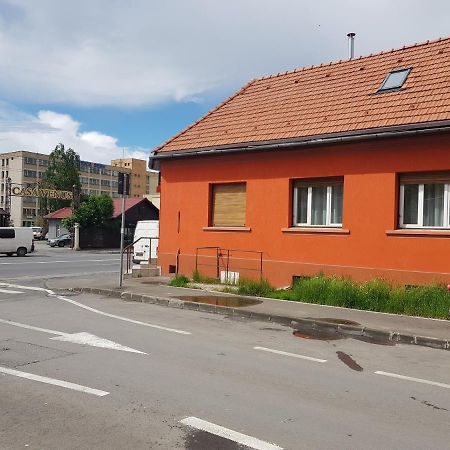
134,127
104,75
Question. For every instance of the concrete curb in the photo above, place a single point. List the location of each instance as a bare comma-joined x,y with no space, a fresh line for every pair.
296,323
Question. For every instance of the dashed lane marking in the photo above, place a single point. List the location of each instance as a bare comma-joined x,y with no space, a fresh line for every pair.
59,262
54,381
293,355
241,439
417,380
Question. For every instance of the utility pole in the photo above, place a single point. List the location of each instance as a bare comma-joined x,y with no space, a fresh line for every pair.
8,201
122,238
123,188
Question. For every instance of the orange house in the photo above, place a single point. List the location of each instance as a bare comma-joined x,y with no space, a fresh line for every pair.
342,168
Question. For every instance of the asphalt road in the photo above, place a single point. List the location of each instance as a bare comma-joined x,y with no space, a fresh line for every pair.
47,262
87,372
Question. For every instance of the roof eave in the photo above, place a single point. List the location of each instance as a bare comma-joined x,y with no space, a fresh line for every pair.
325,139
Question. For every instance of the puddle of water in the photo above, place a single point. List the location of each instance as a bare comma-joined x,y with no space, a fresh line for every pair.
320,335
373,340
317,334
233,302
349,361
335,321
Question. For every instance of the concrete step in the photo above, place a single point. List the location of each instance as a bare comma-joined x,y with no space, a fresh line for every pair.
147,265
152,271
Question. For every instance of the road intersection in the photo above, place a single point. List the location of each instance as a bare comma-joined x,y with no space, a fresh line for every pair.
199,381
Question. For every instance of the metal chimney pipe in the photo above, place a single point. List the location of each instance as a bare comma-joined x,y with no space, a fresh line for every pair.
351,45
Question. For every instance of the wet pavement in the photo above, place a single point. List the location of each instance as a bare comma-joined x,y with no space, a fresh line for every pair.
230,301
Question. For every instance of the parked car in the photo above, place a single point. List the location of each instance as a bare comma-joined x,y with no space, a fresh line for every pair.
60,241
18,240
38,233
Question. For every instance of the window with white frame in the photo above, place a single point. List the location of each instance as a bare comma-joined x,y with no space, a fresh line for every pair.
318,203
425,201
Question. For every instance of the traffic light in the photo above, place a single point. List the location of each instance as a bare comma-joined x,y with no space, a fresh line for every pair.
124,184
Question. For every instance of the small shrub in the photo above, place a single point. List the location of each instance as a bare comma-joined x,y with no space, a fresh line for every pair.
256,288
179,281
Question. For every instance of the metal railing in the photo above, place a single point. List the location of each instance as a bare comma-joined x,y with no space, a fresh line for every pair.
225,257
129,251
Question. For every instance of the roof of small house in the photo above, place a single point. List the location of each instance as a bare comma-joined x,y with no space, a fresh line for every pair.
130,203
328,99
62,213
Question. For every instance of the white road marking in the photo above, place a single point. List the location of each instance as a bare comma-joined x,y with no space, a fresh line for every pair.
241,439
61,383
294,355
6,291
96,311
58,262
82,338
30,327
94,341
417,380
125,319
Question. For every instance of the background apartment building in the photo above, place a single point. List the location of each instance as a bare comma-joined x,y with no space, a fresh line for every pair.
29,168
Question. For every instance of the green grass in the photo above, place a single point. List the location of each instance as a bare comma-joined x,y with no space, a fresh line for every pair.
179,281
375,295
256,288
197,277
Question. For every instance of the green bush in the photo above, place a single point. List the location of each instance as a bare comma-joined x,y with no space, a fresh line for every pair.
179,281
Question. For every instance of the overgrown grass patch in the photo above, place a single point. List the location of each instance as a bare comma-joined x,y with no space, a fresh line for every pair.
197,277
375,295
179,281
256,288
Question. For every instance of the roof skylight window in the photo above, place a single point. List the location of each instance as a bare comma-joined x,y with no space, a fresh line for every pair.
394,80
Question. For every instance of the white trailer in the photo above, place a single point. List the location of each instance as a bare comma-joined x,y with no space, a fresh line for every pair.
18,240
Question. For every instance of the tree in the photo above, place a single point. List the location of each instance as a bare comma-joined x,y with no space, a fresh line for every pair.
95,211
63,173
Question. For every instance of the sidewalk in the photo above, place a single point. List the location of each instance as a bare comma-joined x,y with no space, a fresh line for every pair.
404,329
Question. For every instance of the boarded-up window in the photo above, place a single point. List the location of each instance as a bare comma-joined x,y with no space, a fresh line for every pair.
228,205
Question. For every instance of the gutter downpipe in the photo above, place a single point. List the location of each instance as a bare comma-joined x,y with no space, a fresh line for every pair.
154,160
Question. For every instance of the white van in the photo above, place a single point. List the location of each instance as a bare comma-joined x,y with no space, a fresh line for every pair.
17,240
145,248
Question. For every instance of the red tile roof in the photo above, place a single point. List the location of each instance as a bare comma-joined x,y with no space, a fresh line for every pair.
330,98
117,202
62,213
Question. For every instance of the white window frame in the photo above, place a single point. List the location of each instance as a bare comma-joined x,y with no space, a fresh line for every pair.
328,223
446,224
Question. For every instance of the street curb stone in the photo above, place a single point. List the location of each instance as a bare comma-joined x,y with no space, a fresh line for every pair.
296,323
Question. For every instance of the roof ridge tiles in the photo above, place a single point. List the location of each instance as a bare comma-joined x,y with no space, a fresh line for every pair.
343,61
349,95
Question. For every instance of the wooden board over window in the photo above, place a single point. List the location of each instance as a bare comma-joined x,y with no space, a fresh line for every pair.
425,178
228,205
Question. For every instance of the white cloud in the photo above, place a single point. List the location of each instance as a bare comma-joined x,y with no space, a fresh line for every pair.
141,52
41,133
